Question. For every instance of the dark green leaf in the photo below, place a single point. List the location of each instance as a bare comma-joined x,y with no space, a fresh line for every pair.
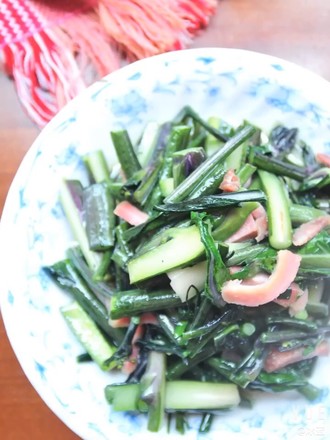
217,271
206,203
317,180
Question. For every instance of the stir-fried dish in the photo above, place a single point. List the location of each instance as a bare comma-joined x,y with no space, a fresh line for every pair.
202,265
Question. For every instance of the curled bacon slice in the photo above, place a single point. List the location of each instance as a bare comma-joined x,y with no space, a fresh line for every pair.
287,265
308,230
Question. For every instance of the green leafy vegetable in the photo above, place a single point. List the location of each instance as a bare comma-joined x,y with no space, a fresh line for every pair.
148,298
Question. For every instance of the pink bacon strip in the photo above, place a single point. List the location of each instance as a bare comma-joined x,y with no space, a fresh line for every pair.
235,292
130,213
276,359
308,230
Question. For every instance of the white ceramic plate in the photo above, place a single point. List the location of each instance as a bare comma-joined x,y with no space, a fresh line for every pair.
231,83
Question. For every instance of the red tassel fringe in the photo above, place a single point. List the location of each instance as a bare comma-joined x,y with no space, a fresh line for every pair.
54,49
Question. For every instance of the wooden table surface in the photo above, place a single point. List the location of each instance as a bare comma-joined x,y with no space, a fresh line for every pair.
297,30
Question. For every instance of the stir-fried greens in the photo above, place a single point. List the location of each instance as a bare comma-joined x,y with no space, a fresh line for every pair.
201,268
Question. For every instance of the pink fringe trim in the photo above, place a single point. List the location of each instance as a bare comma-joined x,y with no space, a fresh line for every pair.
143,28
74,43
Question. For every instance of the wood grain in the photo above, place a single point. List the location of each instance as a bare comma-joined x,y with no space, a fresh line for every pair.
297,30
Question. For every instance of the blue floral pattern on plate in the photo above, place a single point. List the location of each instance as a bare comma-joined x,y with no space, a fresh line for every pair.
230,83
